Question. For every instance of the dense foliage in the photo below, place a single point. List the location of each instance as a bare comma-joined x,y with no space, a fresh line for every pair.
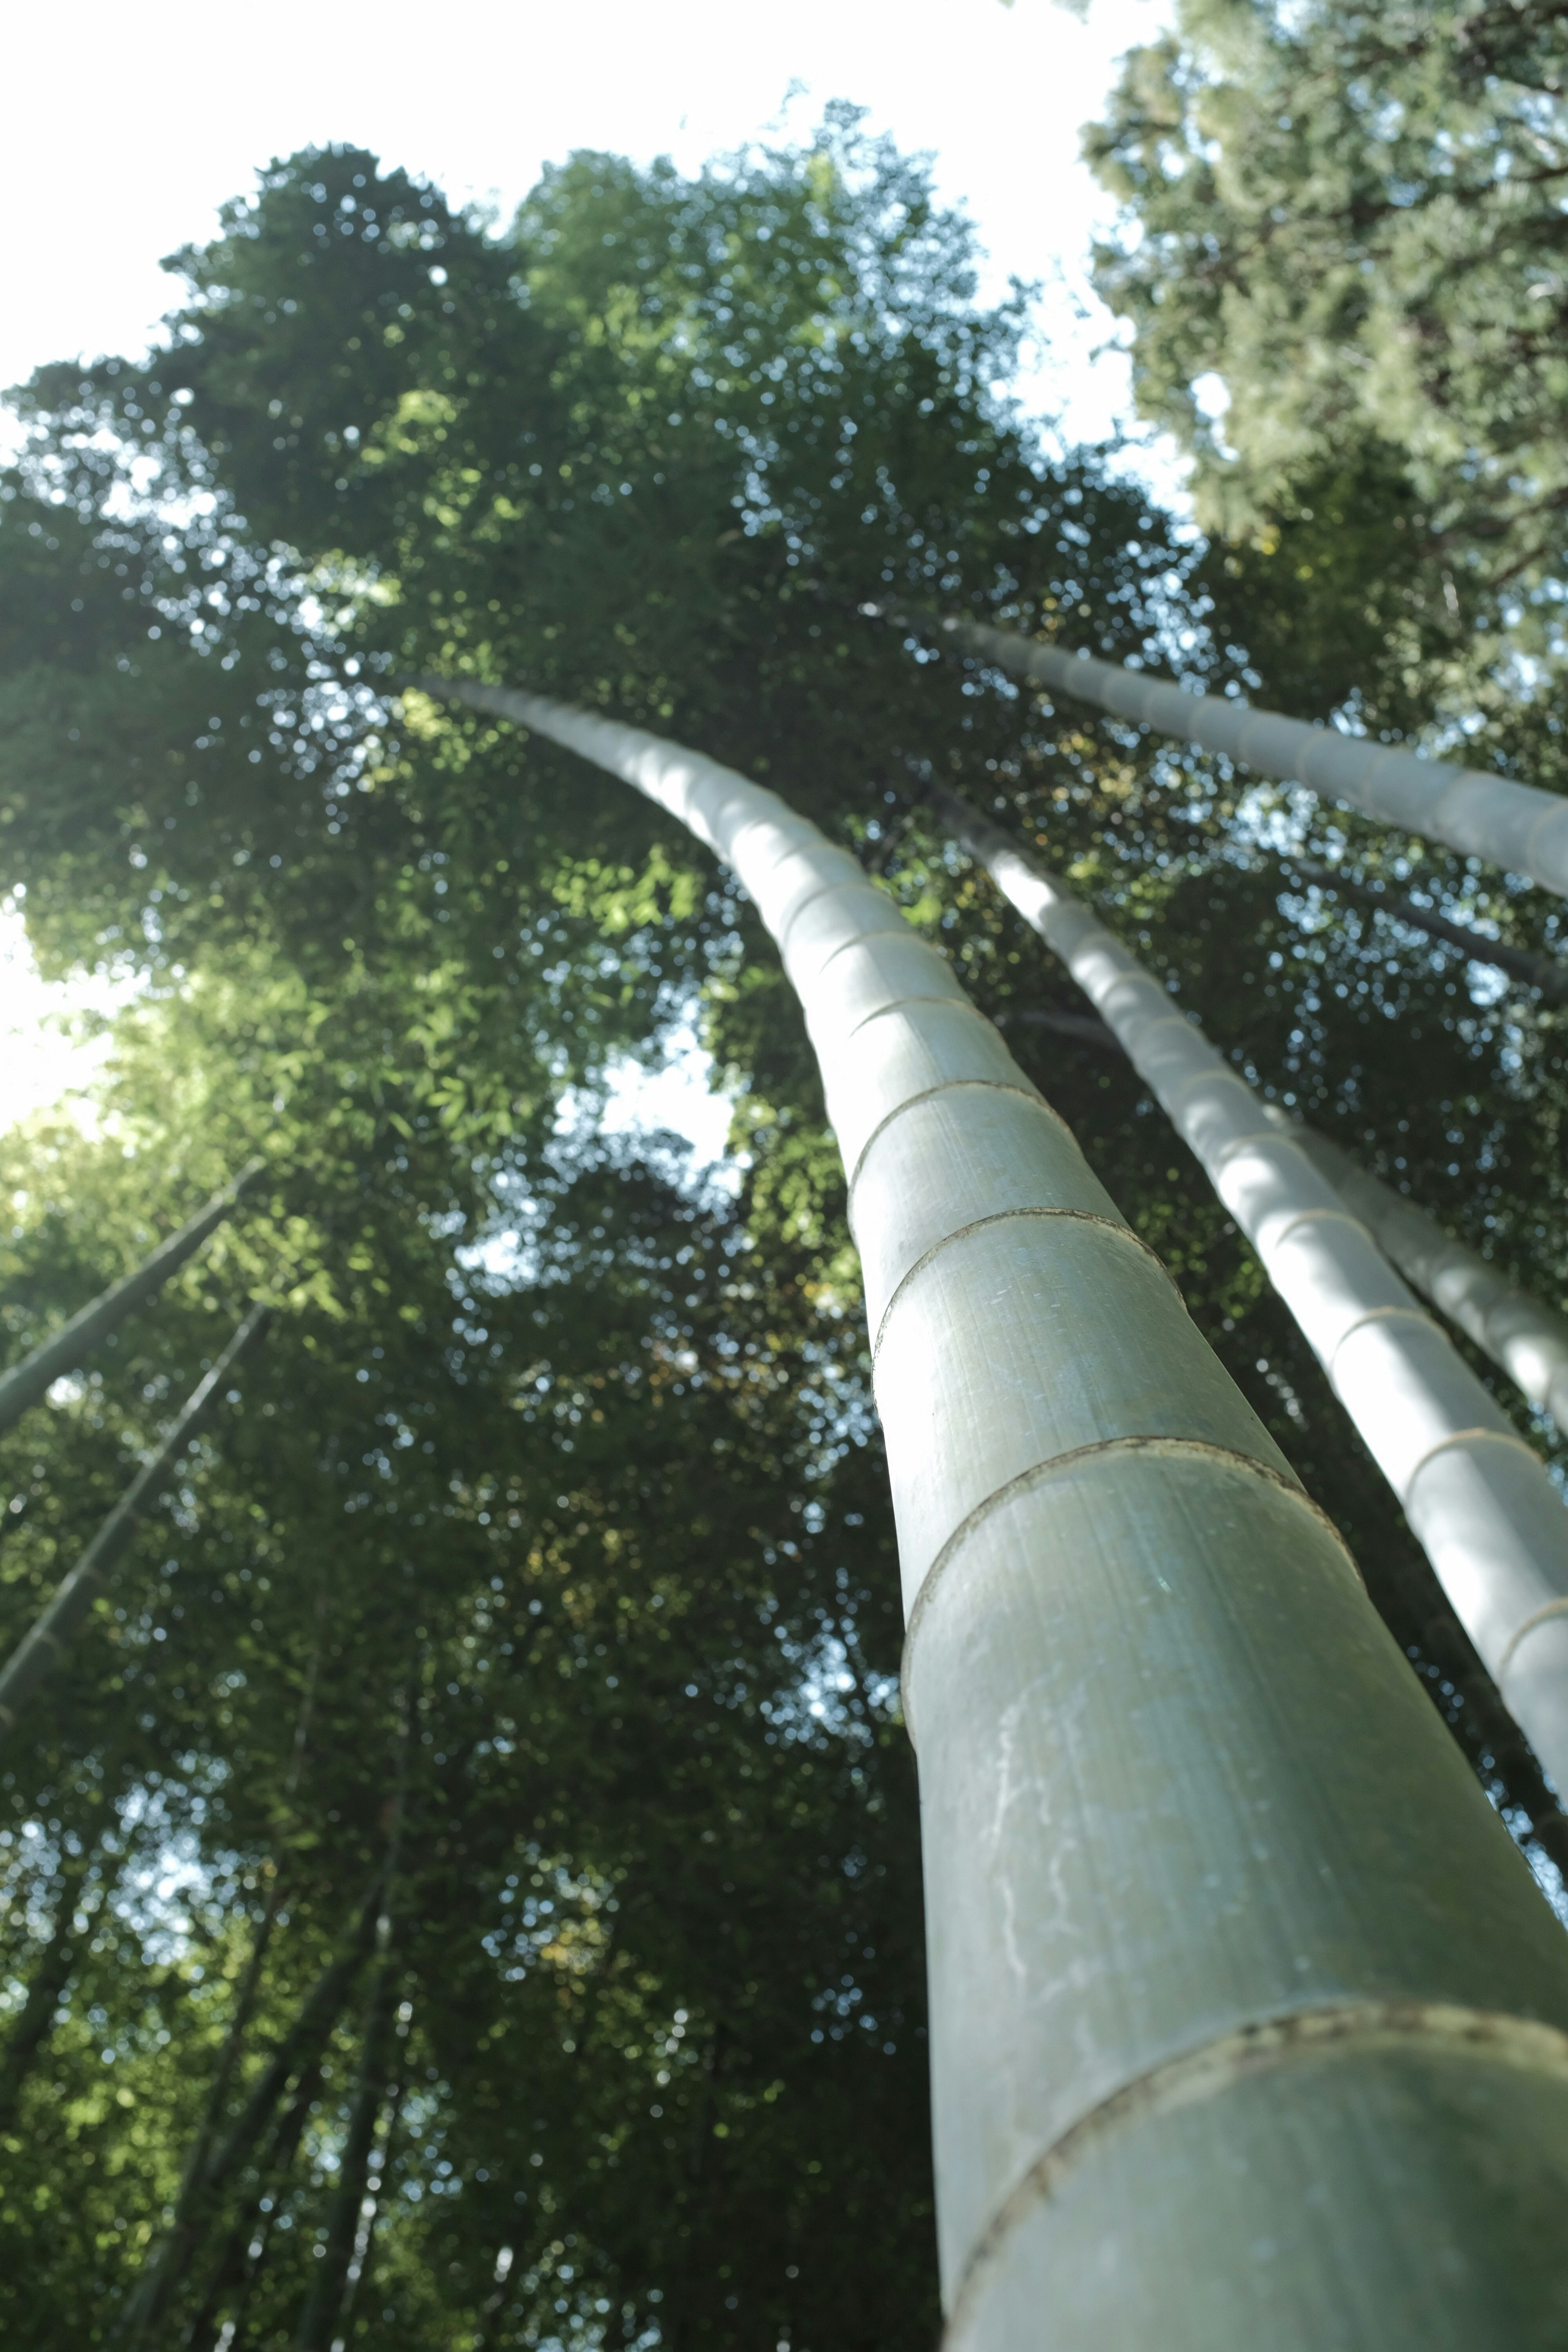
554,1534
1353,218
486,1775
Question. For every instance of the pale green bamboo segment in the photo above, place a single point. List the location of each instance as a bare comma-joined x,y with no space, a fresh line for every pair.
1477,1497
1179,1789
1520,1332
1517,826
72,1344
42,1646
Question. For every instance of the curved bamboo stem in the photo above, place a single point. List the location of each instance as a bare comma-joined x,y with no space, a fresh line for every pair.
1223,1938
40,1647
71,1345
1477,1500
1516,827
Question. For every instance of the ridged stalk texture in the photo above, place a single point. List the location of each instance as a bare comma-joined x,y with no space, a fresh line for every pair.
1246,2018
42,1646
73,1342
1516,827
1477,1498
1528,1338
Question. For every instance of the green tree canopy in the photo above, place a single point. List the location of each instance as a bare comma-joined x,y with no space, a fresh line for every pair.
1352,219
554,1498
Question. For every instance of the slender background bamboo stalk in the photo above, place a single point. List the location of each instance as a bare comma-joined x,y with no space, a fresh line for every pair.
1527,1338
1516,827
1541,971
25,1382
335,2275
40,1646
1478,1499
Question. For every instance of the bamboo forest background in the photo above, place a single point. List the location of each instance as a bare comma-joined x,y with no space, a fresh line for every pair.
531,1591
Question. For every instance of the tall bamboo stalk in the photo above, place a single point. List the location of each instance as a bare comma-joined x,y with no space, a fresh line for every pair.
172,2253
1528,1338
242,2255
332,2277
1519,1331
1525,1347
1246,2018
171,2256
1516,827
295,2054
1478,1499
40,1647
335,2275
73,1342
378,2164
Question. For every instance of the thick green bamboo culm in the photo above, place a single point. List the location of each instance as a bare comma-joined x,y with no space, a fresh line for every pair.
73,1342
1516,827
41,1647
1478,1500
1528,1338
1248,2021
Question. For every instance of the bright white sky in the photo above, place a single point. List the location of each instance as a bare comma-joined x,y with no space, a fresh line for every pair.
126,132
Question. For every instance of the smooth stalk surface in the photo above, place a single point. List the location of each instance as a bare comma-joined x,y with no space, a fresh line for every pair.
1528,1338
1243,2003
1477,1498
1516,827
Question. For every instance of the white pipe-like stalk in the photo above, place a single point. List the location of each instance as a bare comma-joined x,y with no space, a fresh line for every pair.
1477,1498
1517,826
1241,2000
1528,1338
